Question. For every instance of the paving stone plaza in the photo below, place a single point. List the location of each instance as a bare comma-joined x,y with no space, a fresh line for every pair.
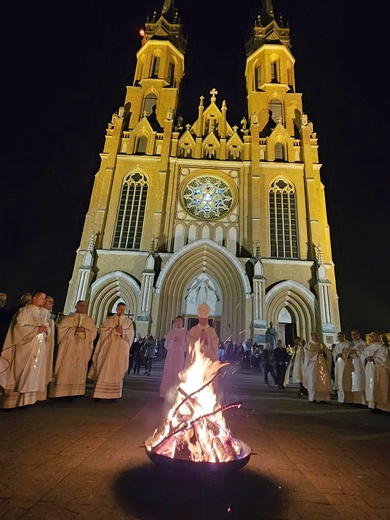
82,459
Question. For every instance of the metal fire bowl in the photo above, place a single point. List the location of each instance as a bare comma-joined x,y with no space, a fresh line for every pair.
201,468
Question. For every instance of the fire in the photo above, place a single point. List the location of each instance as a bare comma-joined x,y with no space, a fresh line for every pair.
195,428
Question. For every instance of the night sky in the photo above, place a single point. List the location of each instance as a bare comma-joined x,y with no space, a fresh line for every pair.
65,69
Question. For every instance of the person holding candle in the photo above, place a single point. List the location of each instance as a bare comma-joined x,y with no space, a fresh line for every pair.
76,333
111,357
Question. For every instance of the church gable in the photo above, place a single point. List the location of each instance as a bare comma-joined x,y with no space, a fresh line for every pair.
186,144
210,147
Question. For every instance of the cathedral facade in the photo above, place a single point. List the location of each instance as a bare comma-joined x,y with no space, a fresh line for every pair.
235,216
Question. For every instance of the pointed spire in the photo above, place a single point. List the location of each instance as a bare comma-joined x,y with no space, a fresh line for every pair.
266,29
153,246
269,9
257,251
168,10
166,26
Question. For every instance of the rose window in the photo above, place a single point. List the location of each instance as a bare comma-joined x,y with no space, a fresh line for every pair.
207,197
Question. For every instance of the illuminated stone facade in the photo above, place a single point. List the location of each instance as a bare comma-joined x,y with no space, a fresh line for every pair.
205,211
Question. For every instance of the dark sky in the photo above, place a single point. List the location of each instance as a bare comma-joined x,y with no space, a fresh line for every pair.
65,69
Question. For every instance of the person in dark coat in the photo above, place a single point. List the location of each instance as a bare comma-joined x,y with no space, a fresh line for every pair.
267,360
281,358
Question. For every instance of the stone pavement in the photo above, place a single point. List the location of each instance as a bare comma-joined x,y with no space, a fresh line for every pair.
84,460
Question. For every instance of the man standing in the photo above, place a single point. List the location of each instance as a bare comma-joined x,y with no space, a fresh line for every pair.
76,333
297,363
318,359
23,363
354,377
111,357
267,360
376,358
281,358
339,357
205,334
150,354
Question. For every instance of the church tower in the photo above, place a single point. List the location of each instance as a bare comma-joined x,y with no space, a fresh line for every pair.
186,212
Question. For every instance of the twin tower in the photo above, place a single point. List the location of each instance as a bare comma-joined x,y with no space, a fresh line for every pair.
185,212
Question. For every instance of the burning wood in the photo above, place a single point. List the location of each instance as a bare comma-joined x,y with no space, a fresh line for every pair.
195,428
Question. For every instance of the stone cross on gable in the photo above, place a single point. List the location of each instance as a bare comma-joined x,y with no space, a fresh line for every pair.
201,100
213,93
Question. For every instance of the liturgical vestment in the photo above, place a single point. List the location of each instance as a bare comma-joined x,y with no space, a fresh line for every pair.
74,353
23,363
111,357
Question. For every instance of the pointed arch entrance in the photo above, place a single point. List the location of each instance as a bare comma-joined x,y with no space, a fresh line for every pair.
205,257
107,290
293,299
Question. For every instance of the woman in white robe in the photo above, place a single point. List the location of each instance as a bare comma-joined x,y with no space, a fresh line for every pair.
176,346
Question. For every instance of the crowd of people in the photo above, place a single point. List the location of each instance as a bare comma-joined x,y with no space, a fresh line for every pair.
352,371
41,359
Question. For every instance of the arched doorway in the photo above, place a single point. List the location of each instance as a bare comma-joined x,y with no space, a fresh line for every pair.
299,302
201,260
287,329
108,290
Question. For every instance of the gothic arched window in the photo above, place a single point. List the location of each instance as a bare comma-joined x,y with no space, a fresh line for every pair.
149,102
283,220
141,145
274,71
279,152
171,74
234,153
276,107
155,66
258,77
129,224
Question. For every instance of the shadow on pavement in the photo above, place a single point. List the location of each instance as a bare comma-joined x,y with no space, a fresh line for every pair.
150,492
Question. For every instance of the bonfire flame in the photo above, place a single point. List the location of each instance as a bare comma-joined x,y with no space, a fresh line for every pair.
195,428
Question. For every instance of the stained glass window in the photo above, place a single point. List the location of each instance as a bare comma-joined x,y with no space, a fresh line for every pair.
128,230
207,197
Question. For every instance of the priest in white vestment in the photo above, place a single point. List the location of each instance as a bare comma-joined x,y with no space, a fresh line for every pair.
376,359
297,364
354,375
340,358
110,360
318,360
176,346
76,333
23,362
204,333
